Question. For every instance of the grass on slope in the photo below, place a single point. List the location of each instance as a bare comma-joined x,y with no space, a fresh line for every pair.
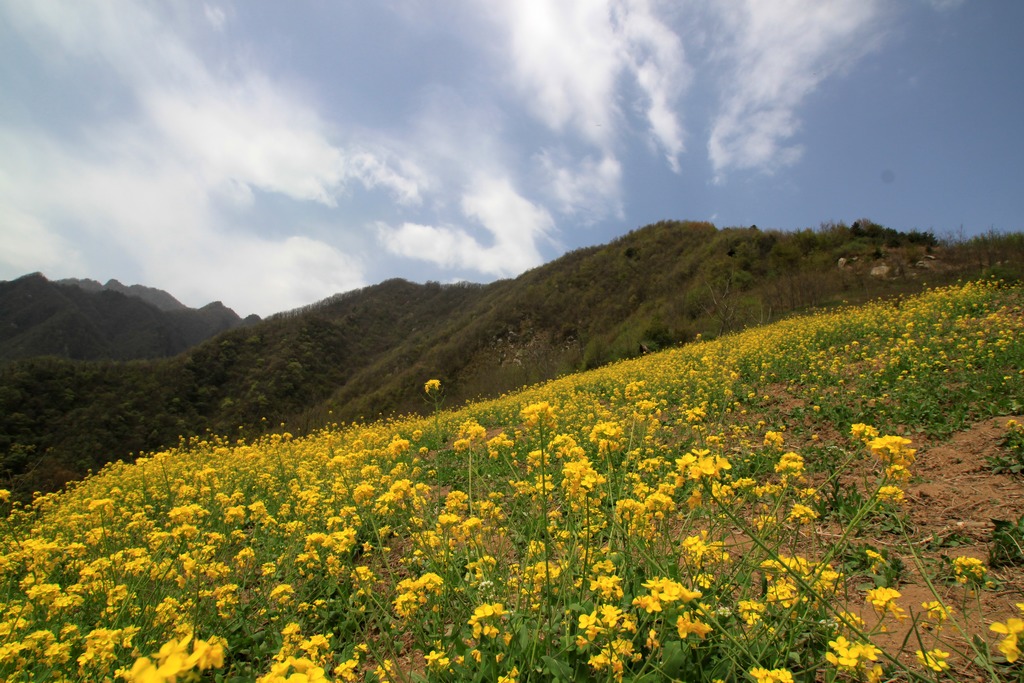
747,509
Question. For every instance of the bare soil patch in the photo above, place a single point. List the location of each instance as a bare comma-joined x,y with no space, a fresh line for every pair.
952,504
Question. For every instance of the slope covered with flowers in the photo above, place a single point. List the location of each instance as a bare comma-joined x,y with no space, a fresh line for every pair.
673,517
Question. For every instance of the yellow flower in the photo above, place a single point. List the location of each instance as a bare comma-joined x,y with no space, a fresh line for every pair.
1008,645
893,451
282,594
686,625
363,493
802,514
664,590
432,385
541,414
174,660
884,600
851,656
969,570
751,611
699,464
891,494
606,435
484,619
347,670
590,625
863,432
608,587
437,661
771,676
933,659
414,593
790,465
937,611
208,654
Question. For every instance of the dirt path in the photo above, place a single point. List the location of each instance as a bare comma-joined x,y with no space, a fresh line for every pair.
953,501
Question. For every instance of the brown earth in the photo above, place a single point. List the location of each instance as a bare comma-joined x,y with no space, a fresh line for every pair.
952,504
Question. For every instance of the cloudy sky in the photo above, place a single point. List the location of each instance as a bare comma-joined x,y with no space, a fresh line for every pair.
270,154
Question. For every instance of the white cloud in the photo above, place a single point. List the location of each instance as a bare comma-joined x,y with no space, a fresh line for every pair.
120,36
233,124
251,134
514,225
564,57
264,275
655,55
444,246
215,15
144,185
588,189
568,59
159,217
778,53
24,239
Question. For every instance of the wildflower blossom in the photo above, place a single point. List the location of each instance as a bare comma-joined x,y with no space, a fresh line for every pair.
863,432
847,656
762,675
933,659
415,593
801,514
603,629
891,494
664,591
790,465
969,570
282,594
1011,629
174,659
750,611
937,612
437,661
894,453
607,587
486,620
687,624
883,599
304,671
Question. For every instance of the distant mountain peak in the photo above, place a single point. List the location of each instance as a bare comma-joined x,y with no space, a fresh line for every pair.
83,319
151,295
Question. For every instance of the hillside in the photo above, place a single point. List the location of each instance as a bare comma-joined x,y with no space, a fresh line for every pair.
362,354
83,320
832,497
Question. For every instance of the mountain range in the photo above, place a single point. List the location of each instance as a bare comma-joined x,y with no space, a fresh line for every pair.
86,320
365,354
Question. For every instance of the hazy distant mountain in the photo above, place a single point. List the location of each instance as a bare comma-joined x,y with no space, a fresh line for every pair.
151,295
84,320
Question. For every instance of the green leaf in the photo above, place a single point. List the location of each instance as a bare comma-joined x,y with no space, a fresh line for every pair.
524,639
557,668
673,658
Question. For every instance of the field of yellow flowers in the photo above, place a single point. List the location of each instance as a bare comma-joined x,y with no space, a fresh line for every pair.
733,510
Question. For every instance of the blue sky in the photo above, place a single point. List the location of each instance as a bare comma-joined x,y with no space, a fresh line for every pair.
270,154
